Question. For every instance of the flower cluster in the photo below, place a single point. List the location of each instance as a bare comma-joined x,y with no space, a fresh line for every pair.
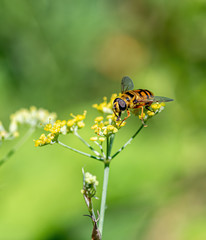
60,127
155,109
3,133
105,128
89,185
106,107
33,117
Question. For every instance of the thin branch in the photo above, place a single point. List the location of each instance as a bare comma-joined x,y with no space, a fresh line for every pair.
17,146
101,149
80,152
87,144
128,142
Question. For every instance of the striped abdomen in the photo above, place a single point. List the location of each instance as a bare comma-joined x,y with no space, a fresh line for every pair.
133,97
143,94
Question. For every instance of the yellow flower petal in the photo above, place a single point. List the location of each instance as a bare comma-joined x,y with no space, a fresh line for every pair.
93,139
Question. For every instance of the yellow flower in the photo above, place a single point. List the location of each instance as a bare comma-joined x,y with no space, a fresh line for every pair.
150,113
95,126
42,137
106,123
111,116
60,127
48,127
93,138
98,119
44,140
155,106
105,107
79,117
102,139
109,130
80,124
71,122
120,124
37,143
63,123
142,116
90,179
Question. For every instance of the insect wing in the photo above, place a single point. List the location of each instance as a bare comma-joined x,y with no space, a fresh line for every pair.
162,99
155,99
126,84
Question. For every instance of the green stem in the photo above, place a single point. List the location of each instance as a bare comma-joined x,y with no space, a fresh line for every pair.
104,196
80,152
107,153
111,144
87,144
128,142
110,140
101,149
91,210
17,146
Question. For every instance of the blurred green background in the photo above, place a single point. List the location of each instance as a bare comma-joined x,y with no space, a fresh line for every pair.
66,55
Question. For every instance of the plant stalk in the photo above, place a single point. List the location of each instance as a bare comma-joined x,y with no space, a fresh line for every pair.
104,196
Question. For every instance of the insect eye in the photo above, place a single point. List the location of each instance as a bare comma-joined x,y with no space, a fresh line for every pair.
122,104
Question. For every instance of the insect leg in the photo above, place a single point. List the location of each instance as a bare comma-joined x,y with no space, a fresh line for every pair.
128,115
115,113
149,109
142,112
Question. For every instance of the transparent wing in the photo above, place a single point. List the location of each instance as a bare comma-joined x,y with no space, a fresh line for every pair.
154,99
126,84
162,99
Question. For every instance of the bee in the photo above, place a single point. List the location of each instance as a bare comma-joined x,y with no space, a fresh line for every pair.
134,99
